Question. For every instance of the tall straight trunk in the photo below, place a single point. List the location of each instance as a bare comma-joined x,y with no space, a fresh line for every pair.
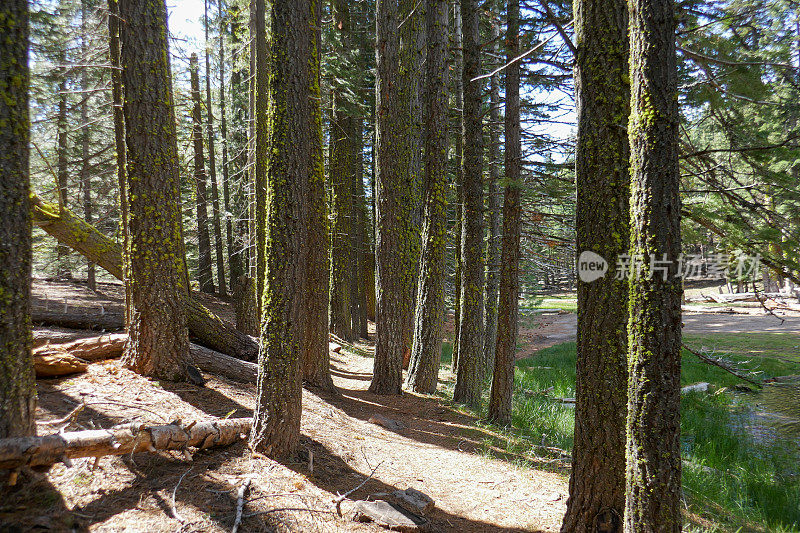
493,208
234,256
395,250
358,289
245,302
459,224
411,32
158,339
216,220
597,481
508,303
290,149
85,175
17,381
653,478
204,273
62,172
470,332
119,132
315,354
429,317
342,173
259,98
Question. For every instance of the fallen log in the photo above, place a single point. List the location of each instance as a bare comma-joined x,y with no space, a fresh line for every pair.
72,231
119,440
50,335
91,349
77,318
53,364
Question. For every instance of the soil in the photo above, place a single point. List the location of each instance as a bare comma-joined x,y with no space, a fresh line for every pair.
441,451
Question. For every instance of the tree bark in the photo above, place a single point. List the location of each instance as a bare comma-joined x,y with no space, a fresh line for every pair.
470,333
358,289
62,172
124,439
17,384
395,252
493,203
204,273
259,100
86,178
216,220
508,303
597,481
291,153
158,338
459,152
314,335
429,317
653,479
207,327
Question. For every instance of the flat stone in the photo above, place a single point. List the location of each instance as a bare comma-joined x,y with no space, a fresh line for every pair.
409,499
387,515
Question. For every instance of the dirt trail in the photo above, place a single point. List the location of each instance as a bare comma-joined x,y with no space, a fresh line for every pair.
439,451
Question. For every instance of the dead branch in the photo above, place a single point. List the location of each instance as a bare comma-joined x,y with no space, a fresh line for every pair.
341,497
721,364
240,504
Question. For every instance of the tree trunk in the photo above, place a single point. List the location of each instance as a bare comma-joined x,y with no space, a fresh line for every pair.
314,335
470,333
291,153
119,131
124,439
597,482
86,177
394,226
459,152
204,274
17,384
207,327
259,100
62,172
159,340
653,480
212,167
358,289
508,303
429,317
342,173
493,206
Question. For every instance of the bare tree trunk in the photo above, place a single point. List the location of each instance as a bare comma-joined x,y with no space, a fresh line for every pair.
212,168
62,172
17,383
86,177
653,480
597,481
459,225
508,304
470,332
204,273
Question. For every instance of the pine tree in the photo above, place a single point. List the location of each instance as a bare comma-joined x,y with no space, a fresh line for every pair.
204,273
470,333
653,478
597,482
508,305
18,384
292,154
429,316
158,340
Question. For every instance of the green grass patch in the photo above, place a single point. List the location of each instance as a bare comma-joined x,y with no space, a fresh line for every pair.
731,477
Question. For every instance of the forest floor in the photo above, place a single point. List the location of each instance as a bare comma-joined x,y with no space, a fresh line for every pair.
440,451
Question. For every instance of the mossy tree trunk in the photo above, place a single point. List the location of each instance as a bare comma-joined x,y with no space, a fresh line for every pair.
204,274
597,481
17,381
292,154
429,317
315,353
62,171
358,289
493,204
85,175
508,302
653,479
458,89
470,332
158,341
395,249
216,219
259,99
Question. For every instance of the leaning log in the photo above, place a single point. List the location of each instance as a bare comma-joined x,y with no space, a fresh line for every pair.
119,440
72,231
